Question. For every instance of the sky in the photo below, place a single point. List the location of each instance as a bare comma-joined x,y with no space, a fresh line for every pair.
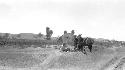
92,18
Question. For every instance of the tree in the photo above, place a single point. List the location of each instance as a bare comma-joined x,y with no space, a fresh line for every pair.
6,35
48,33
51,32
73,32
40,35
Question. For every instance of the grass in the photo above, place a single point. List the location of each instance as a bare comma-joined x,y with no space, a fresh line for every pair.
78,60
101,59
22,59
31,57
17,60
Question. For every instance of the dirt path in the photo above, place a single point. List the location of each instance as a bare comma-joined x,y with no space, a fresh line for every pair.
116,63
110,64
120,65
53,56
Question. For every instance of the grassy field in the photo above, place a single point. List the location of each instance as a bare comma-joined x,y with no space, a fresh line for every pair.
51,59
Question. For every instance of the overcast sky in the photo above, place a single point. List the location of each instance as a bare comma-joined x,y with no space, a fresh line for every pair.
93,18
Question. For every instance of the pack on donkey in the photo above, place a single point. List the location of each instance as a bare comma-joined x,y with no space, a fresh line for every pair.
67,41
77,42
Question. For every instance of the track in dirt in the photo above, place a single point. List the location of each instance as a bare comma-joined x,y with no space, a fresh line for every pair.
117,62
110,63
119,66
108,59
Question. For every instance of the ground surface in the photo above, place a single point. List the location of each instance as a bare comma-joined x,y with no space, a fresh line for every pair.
51,59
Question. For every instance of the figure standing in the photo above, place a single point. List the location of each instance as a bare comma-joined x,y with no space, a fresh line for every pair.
80,45
75,42
80,41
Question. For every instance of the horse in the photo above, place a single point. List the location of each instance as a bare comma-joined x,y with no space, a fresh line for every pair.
86,42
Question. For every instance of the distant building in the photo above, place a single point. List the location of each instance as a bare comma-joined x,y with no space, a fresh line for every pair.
5,35
24,36
102,40
13,36
30,36
2,34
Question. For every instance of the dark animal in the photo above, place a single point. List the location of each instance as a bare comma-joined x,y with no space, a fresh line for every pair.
75,42
82,42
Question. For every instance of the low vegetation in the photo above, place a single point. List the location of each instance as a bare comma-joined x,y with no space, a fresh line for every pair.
24,43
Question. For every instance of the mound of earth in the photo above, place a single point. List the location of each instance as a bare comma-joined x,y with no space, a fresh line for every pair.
99,60
79,61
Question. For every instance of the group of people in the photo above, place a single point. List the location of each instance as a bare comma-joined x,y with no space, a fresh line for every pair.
81,43
78,43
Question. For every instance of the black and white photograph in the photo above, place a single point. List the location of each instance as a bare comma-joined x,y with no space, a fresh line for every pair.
62,35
